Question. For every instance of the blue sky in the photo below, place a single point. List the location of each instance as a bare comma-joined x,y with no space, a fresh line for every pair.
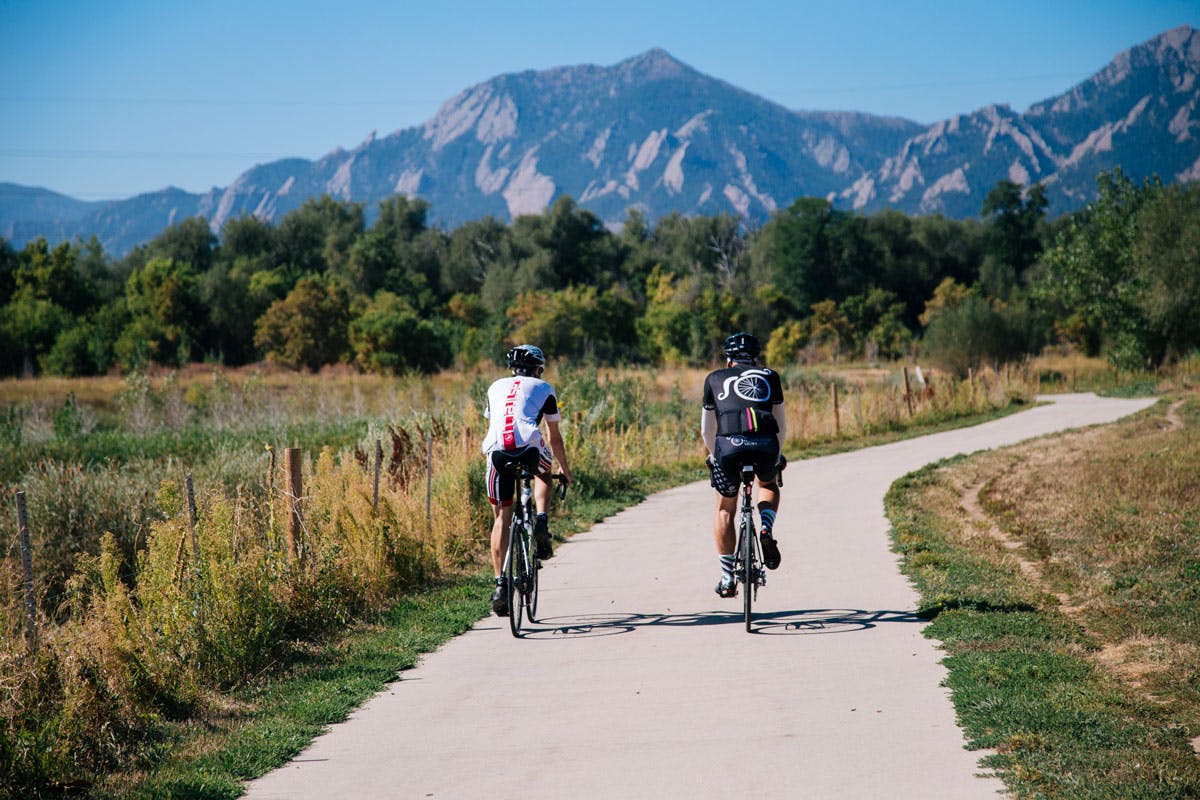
110,99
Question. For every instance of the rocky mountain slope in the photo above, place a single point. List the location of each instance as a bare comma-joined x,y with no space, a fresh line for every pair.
655,134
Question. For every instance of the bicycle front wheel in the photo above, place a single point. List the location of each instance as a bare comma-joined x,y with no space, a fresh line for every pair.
748,567
516,576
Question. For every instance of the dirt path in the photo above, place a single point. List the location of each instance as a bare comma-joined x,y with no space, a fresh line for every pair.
641,683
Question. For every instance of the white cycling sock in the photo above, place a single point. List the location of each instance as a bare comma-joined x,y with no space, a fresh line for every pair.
726,564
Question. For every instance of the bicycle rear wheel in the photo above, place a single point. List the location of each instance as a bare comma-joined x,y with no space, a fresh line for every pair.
531,562
516,574
531,598
746,538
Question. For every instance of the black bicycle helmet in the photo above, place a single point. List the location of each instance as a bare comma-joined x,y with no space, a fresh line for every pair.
526,357
741,346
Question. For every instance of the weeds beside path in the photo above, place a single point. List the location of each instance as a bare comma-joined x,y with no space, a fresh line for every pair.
270,722
1064,578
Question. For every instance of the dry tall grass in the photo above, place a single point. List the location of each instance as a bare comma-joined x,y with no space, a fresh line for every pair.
197,609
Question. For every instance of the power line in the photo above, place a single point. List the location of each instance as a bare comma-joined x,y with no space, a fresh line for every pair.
12,152
936,84
212,101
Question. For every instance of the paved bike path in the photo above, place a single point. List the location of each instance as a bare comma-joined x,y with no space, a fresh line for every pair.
639,682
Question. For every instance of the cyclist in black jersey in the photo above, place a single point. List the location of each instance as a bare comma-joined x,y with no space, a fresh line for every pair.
743,422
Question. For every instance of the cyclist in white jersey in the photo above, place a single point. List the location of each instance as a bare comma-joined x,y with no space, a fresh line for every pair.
516,407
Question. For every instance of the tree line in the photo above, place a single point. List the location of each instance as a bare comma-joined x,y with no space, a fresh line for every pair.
1119,278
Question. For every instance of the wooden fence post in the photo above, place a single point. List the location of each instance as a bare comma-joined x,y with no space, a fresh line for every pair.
908,393
858,412
293,476
191,501
192,517
679,435
837,423
428,481
271,485
803,412
378,462
31,631
642,428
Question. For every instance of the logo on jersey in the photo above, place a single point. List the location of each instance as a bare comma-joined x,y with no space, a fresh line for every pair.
751,385
508,436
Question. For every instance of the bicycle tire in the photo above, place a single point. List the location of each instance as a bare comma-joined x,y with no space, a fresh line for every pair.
531,599
516,561
748,576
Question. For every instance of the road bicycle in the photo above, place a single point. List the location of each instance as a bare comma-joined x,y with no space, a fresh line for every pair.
748,566
521,563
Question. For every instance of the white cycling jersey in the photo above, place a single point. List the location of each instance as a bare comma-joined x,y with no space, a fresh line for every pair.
515,406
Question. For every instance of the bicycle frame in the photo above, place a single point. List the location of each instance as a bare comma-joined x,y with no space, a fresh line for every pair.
521,564
748,562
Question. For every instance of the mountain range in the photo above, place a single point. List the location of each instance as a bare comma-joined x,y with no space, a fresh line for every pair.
653,133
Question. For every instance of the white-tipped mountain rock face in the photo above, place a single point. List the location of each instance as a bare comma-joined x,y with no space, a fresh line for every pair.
655,134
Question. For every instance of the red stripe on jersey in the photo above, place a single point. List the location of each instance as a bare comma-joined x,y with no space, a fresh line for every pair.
510,441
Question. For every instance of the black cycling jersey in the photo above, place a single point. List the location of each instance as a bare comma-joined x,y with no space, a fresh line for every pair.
743,397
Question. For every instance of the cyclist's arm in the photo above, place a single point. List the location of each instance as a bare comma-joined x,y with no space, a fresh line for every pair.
708,428
558,449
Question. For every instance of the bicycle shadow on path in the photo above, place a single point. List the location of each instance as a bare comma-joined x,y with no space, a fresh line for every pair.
800,622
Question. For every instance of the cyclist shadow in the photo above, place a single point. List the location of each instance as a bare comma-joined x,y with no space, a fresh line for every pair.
794,623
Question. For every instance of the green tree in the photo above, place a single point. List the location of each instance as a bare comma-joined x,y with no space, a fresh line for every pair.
636,241
976,332
390,337
98,272
399,254
948,294
31,325
72,354
308,328
830,329
316,237
1166,254
786,342
250,240
876,323
665,328
230,309
571,246
1013,216
474,249
578,322
53,275
167,315
1090,275
189,242
8,269
817,253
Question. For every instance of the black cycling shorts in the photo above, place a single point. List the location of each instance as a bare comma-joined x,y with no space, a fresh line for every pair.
731,453
501,480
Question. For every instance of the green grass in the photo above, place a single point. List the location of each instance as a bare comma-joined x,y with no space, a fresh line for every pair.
191,444
273,721
278,716
1023,675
